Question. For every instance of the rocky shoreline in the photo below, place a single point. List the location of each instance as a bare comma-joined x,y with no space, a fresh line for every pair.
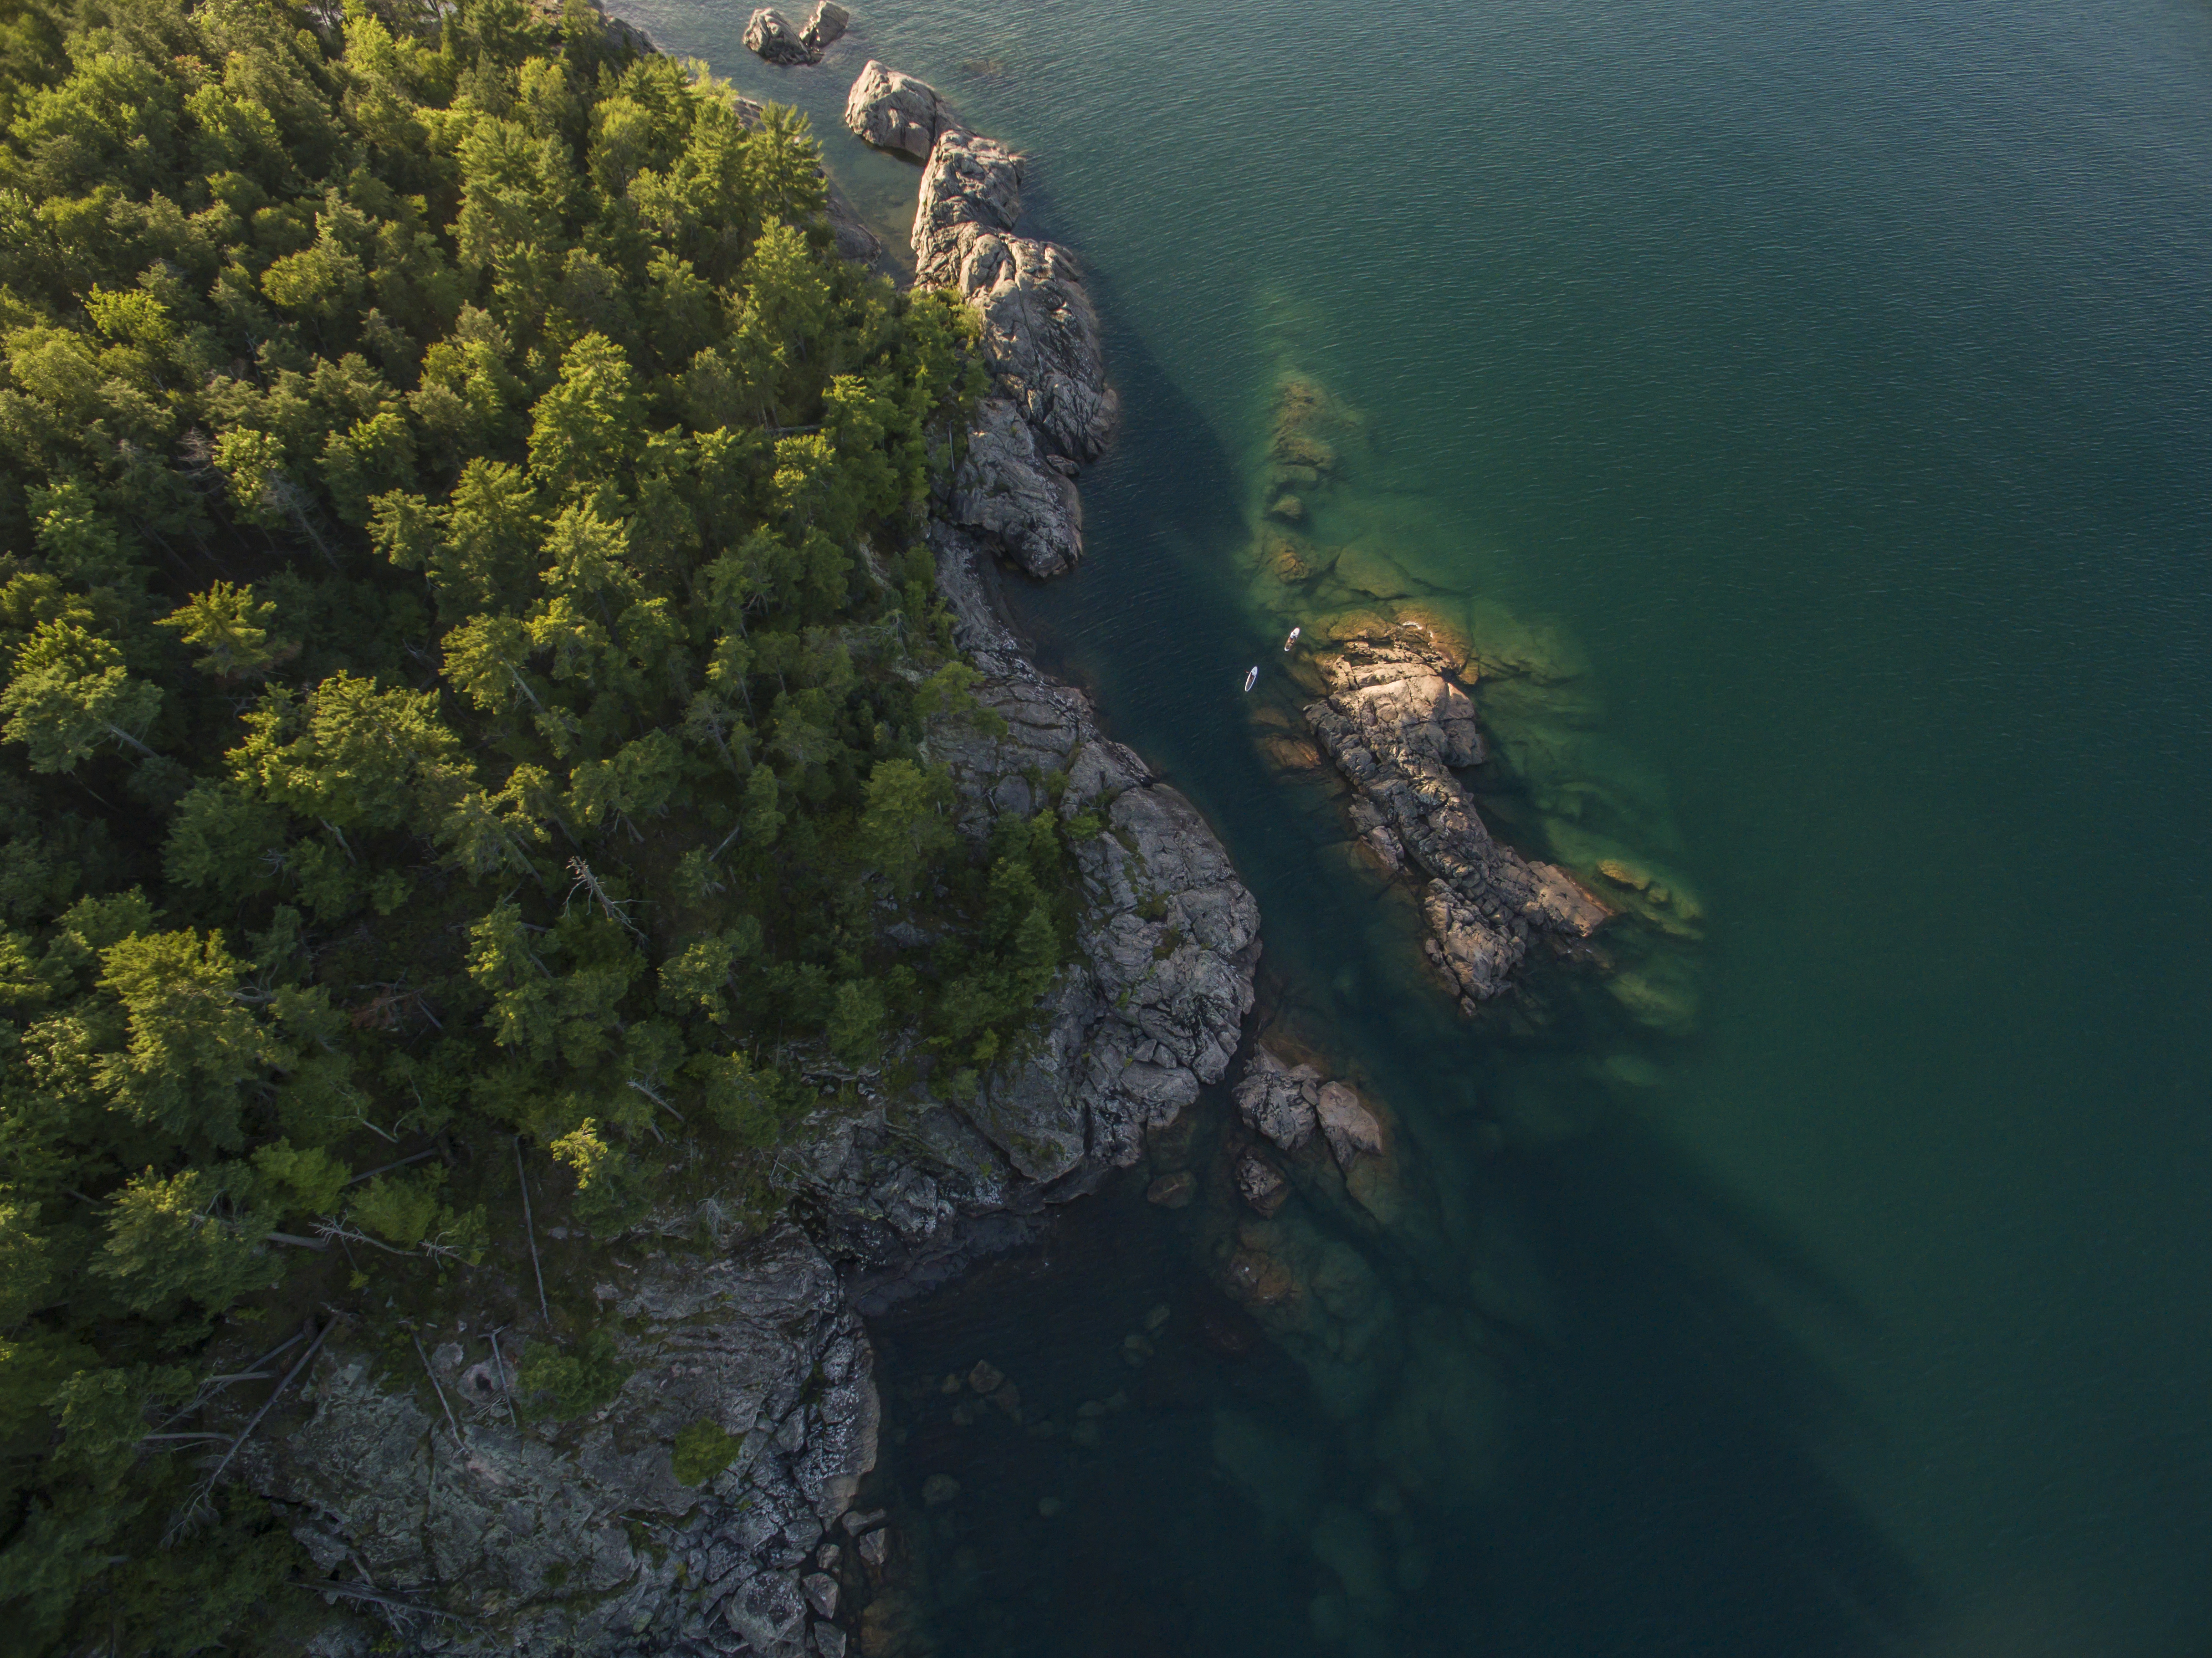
706,1506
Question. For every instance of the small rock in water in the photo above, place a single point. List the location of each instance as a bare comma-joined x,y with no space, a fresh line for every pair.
825,26
1350,1125
1008,1399
856,1522
1085,1434
951,1384
876,1548
1158,1316
986,1376
1173,1191
1049,1507
829,1641
938,1490
821,1593
1089,1409
1258,1279
964,1414
1135,1349
777,39
1262,1187
827,1557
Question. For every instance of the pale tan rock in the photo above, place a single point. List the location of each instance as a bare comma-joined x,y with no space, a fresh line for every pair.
1350,1126
892,110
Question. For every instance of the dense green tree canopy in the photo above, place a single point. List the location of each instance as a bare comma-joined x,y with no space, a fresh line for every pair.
465,662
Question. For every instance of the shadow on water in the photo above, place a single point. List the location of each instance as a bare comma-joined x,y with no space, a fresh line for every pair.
1662,1486
1659,1484
1638,1463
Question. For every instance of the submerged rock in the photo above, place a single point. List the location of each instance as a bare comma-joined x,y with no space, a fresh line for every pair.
1173,1191
1350,1126
1261,1185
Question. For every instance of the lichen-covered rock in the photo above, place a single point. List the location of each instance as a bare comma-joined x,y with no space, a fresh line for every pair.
969,183
581,1538
1167,935
1396,726
1040,337
893,110
1478,953
1039,332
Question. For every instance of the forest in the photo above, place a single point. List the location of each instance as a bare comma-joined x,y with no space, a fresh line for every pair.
468,657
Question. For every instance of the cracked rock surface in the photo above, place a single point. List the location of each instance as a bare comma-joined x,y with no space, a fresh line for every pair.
893,110
1397,727
1051,410
578,1537
1168,936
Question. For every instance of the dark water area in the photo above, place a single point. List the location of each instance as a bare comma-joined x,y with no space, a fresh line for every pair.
1814,402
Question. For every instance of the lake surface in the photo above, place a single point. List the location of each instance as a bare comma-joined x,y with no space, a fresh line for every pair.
1818,400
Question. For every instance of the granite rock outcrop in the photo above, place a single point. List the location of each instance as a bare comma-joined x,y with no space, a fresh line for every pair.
892,110
1167,938
1397,725
580,1536
1040,331
773,36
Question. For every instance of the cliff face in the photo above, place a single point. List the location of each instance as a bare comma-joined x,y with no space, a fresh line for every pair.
471,1532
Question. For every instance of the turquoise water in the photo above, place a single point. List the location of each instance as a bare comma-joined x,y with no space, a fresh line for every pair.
1827,388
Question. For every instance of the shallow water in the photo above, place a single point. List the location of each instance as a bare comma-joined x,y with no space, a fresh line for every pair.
1831,384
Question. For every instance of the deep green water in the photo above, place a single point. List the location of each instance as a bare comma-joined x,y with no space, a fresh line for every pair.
1835,382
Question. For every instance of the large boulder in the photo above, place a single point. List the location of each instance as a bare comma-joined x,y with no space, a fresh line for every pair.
825,26
1278,1100
893,110
775,38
